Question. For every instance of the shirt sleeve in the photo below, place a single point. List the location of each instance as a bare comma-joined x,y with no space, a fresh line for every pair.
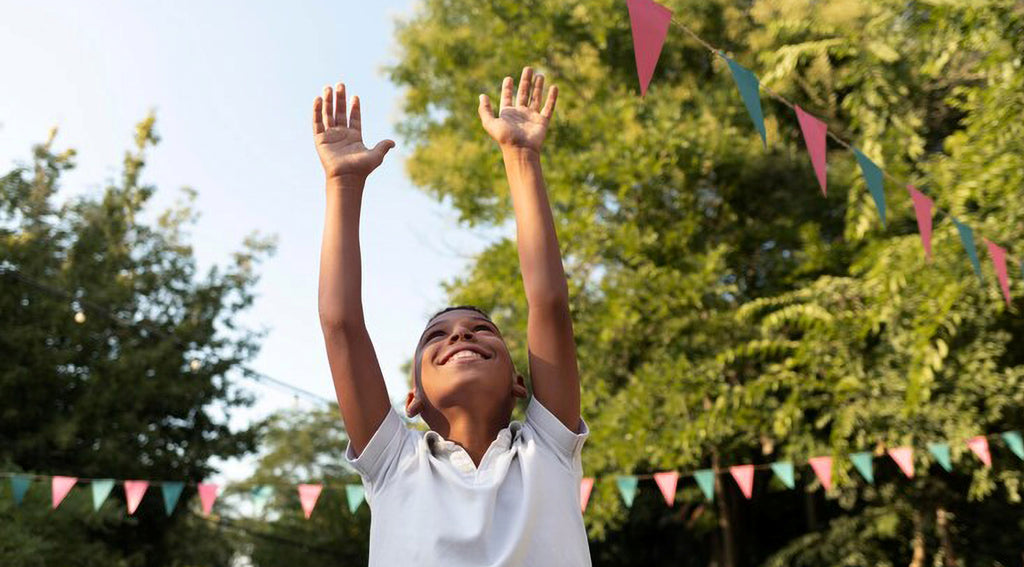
553,435
381,456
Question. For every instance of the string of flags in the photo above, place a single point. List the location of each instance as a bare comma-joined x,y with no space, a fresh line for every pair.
135,490
649,22
785,471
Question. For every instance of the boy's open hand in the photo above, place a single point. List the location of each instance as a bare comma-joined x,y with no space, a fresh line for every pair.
522,123
339,138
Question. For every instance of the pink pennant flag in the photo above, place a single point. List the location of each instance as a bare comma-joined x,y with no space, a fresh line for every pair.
586,485
649,22
308,495
744,477
135,490
904,457
59,488
667,483
998,255
979,445
207,495
823,468
814,131
923,209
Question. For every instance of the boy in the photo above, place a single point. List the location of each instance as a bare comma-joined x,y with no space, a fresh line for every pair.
477,489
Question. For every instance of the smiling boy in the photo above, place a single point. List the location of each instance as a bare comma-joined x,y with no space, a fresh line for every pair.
477,489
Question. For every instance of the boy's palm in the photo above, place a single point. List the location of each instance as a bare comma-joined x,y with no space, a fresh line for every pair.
522,124
339,139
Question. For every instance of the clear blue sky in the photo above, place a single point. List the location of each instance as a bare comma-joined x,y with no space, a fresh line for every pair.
232,84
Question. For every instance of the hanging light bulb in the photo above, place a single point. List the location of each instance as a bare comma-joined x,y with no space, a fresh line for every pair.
79,317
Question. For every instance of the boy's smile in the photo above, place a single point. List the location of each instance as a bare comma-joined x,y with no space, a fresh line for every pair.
463,353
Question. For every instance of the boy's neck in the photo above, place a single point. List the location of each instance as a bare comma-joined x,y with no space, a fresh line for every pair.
473,430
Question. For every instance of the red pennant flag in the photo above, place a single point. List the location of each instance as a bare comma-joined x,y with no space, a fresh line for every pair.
586,485
744,477
649,22
979,445
207,495
134,490
667,483
308,495
904,457
998,255
823,468
814,131
59,488
923,210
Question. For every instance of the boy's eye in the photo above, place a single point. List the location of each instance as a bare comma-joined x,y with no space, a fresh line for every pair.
484,327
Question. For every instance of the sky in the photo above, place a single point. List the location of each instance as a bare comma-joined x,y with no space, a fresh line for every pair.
232,85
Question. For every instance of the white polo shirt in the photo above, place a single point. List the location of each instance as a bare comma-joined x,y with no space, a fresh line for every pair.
431,506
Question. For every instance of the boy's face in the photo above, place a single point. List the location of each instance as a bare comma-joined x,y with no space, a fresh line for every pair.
463,361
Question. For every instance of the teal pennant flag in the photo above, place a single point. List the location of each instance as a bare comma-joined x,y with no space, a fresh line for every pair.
864,462
100,490
941,453
260,496
873,177
967,239
627,487
1015,442
784,470
706,481
19,486
172,492
749,88
355,495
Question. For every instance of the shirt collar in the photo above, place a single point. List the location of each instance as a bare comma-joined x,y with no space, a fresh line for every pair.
439,446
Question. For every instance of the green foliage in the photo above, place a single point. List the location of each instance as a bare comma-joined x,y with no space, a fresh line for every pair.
724,311
100,399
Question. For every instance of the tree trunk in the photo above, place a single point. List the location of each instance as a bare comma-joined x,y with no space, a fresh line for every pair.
918,542
942,519
725,521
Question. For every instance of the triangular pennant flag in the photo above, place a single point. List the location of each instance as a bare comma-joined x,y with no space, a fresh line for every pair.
172,492
923,210
100,490
1015,442
967,239
308,495
864,463
979,445
207,496
59,488
586,485
19,486
941,453
873,177
744,477
706,481
748,85
823,469
355,494
649,23
904,457
667,484
134,490
784,470
627,488
814,132
998,255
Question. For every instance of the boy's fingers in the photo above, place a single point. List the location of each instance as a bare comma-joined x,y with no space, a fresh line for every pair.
318,117
383,147
485,111
524,87
328,107
340,110
549,106
538,92
506,92
355,121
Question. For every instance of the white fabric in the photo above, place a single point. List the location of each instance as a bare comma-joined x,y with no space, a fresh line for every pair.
431,506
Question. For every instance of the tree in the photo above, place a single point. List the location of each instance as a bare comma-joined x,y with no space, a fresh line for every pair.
136,384
725,312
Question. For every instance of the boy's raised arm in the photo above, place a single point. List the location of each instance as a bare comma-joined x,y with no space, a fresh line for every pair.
519,129
358,381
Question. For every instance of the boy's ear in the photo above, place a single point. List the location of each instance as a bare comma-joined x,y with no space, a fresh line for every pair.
519,386
413,405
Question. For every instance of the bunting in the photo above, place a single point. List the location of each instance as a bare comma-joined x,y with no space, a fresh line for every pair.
586,485
823,469
923,211
19,486
814,132
355,495
1015,442
100,491
308,495
873,177
744,477
207,496
649,22
627,488
667,484
60,486
904,457
260,496
749,88
134,490
706,481
784,471
941,453
967,239
998,255
979,445
864,463
171,493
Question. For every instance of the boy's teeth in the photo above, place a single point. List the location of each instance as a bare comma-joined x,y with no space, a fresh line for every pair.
465,354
